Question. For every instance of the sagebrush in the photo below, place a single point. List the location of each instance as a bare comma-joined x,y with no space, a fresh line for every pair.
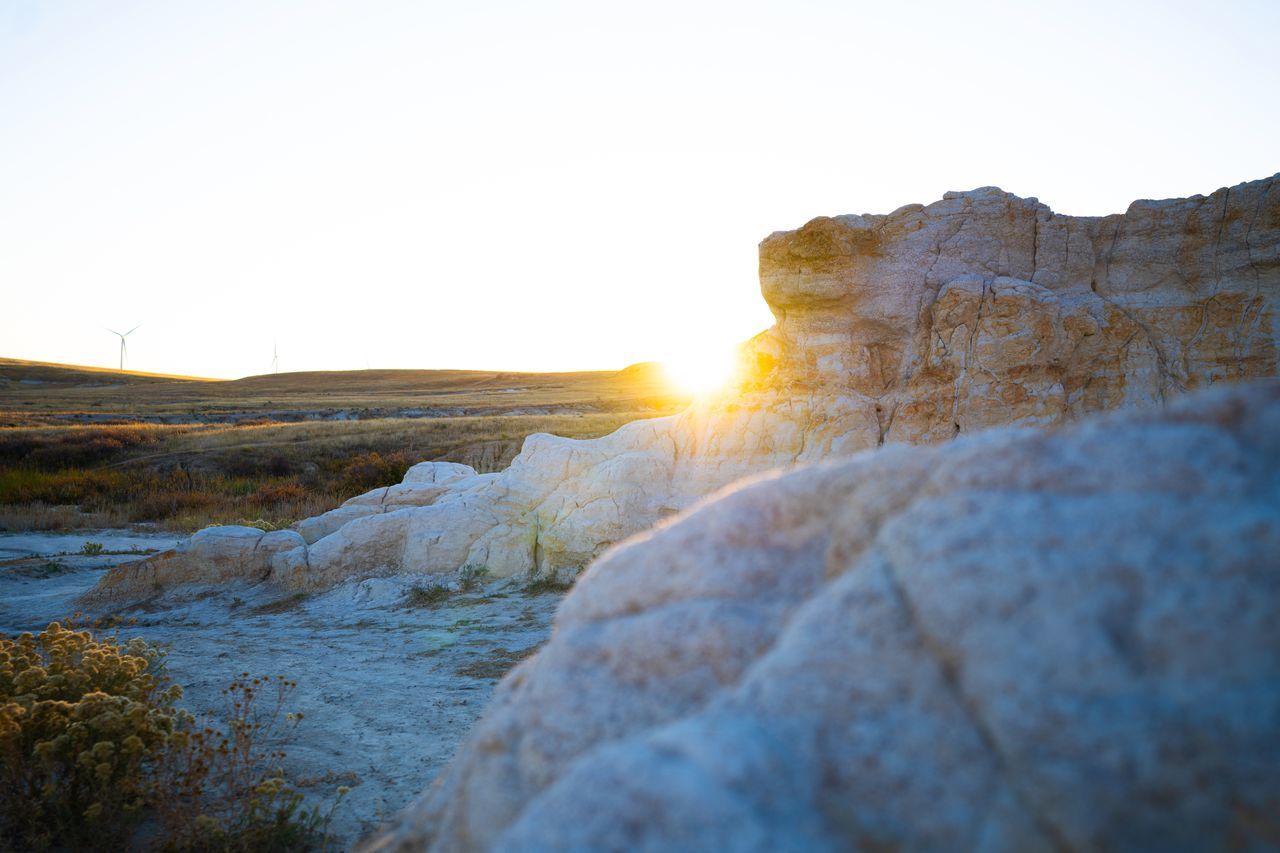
93,746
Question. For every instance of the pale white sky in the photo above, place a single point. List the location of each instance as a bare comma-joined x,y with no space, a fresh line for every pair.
551,185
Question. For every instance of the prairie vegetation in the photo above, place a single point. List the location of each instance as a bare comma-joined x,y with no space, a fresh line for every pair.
35,392
192,475
272,465
96,752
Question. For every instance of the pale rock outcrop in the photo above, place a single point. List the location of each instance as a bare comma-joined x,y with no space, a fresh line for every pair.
314,529
437,473
421,485
1020,640
218,554
212,555
978,310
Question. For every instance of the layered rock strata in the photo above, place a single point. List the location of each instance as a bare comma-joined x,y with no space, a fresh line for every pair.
917,326
1021,640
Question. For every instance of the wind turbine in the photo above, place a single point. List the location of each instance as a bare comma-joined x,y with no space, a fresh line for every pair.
123,348
275,358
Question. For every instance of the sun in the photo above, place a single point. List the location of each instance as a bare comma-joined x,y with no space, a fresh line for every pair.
702,370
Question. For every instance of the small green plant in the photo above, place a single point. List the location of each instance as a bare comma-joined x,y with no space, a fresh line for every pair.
45,570
550,582
427,596
471,576
92,549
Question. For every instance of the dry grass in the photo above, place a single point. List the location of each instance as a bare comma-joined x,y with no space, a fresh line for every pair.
182,499
281,605
188,477
496,664
32,390
38,516
552,582
271,467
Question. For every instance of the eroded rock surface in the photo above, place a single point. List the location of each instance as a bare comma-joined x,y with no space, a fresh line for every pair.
1020,640
422,484
978,310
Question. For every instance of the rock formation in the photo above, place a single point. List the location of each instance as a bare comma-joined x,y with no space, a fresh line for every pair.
1020,640
930,322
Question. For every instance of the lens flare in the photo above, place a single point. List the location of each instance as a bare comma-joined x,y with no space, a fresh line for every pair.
701,371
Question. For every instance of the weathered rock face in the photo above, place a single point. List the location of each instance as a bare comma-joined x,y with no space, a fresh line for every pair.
985,308
1020,640
930,322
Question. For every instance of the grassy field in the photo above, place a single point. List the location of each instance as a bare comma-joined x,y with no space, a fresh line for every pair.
82,447
33,393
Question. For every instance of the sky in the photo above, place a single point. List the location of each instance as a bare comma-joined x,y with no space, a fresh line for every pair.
551,185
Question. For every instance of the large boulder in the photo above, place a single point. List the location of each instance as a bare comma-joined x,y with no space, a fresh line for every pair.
1020,640
979,310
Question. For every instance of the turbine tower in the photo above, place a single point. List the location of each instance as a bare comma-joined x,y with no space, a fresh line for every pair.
123,348
275,358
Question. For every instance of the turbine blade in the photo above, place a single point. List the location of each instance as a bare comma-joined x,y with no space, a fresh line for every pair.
134,329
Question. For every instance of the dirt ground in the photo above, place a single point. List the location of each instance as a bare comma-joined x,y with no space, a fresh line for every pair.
387,691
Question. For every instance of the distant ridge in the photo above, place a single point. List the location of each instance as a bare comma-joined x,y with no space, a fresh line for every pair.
79,394
9,365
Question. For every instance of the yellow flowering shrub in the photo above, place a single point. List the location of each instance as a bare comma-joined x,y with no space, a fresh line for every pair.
92,744
82,722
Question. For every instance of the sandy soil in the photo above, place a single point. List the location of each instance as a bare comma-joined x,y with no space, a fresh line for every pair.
387,690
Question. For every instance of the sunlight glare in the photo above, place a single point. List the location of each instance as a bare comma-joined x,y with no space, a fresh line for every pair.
701,371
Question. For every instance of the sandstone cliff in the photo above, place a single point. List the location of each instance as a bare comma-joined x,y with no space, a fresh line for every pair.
1021,640
917,326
